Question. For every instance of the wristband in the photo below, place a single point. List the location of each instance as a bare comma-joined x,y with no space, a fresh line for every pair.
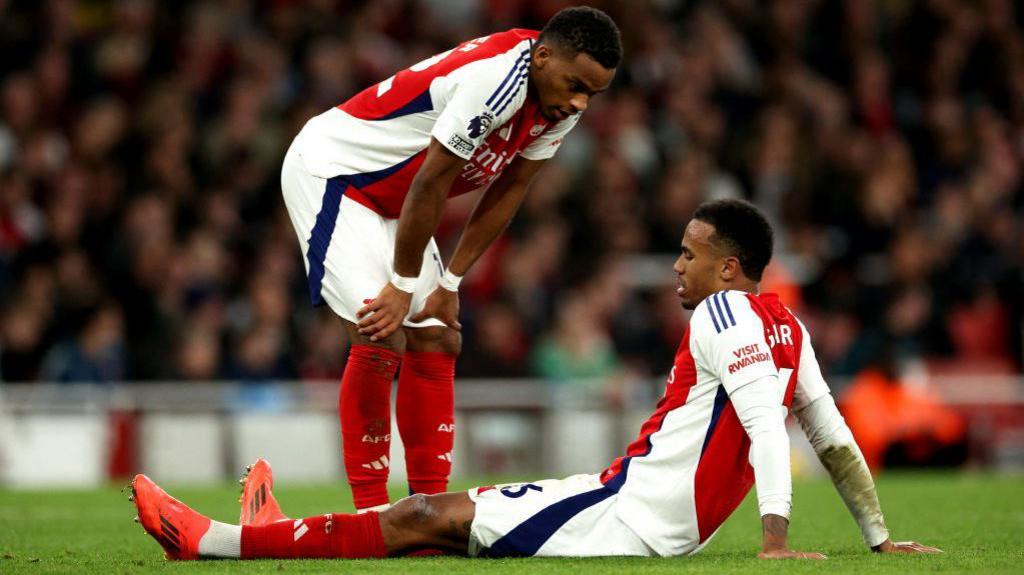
450,281
408,285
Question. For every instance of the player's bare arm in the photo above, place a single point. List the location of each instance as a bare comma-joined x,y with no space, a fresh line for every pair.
420,216
492,214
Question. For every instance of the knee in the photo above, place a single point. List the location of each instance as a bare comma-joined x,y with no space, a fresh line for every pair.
395,342
451,341
413,512
436,339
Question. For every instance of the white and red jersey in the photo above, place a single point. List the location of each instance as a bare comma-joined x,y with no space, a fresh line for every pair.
689,469
473,99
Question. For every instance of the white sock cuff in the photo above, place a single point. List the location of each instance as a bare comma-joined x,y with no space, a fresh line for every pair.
221,540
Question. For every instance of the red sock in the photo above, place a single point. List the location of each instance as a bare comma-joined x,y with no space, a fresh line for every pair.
425,409
324,536
364,408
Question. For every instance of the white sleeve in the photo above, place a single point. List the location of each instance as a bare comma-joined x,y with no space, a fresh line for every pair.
810,385
474,101
548,143
835,446
839,453
730,341
813,404
757,406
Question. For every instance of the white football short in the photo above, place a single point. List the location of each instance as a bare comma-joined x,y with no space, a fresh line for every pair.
571,517
347,248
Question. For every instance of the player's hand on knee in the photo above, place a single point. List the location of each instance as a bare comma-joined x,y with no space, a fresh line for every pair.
384,314
787,554
443,305
889,546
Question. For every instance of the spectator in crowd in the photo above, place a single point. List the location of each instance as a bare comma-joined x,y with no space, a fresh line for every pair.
578,347
140,145
96,355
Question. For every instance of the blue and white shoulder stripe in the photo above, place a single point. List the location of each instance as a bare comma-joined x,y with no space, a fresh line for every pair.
514,80
720,311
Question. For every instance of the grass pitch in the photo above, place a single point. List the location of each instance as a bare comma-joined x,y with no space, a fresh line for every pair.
977,519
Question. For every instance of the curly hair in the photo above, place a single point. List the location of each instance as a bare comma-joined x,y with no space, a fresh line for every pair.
587,30
742,230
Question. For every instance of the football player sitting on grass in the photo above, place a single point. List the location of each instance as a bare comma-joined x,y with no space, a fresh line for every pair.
719,429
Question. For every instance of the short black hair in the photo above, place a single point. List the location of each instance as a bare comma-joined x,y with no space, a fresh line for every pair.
742,230
588,30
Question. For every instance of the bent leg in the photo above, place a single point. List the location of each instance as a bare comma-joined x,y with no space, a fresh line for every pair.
425,407
348,251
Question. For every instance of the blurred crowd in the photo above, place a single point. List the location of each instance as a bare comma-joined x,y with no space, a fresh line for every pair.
143,236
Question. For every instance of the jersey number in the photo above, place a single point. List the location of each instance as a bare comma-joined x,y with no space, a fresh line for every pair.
508,492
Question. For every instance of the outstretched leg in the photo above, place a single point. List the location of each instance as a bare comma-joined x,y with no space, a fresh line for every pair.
414,523
417,522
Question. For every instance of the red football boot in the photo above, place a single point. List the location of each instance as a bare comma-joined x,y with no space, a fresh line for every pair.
259,507
175,526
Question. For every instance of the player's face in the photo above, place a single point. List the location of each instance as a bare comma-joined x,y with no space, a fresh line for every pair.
564,83
698,265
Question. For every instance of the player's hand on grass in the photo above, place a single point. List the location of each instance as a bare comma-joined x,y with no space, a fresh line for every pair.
889,546
773,544
787,554
443,305
384,314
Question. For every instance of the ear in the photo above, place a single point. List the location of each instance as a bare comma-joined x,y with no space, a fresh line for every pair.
541,54
731,268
